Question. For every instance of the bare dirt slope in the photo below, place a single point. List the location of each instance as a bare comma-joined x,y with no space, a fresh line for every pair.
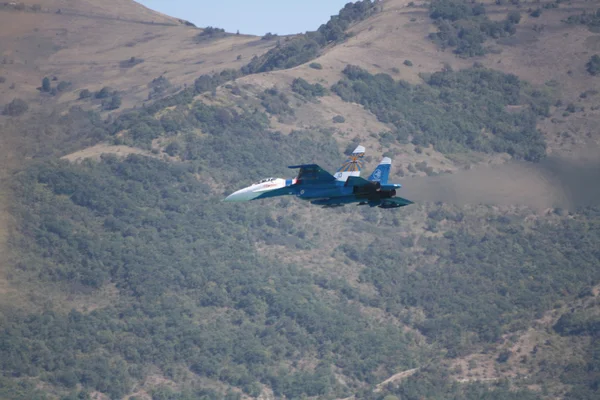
85,43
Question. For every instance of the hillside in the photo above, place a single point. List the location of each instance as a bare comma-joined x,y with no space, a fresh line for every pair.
123,275
89,44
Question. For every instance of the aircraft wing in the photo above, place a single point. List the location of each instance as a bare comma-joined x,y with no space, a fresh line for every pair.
358,181
313,173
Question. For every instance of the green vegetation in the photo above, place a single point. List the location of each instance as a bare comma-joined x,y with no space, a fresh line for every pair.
130,63
209,83
465,26
202,293
210,32
408,63
583,375
593,66
514,17
434,383
303,88
466,294
454,111
578,323
275,102
536,13
315,65
104,93
85,94
63,86
16,108
112,104
159,87
14,390
306,47
269,36
591,20
192,295
46,85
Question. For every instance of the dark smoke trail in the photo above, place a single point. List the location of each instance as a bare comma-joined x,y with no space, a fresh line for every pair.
554,182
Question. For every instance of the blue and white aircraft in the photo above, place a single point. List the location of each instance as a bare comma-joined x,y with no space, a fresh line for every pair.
321,188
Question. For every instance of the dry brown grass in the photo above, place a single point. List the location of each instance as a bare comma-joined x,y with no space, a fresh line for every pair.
87,41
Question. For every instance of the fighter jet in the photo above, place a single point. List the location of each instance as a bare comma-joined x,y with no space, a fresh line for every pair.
319,187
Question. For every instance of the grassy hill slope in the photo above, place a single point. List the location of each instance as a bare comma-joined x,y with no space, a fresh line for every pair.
90,45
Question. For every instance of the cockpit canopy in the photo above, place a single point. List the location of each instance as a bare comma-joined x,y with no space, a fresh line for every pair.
265,180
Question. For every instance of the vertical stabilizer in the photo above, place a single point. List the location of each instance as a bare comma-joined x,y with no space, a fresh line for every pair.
382,172
352,166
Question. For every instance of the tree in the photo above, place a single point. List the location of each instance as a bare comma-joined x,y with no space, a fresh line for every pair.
114,103
46,84
63,85
84,94
514,17
103,93
593,66
16,107
536,13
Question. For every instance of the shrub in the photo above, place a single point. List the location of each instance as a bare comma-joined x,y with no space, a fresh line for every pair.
514,17
303,88
305,47
269,36
315,65
63,85
46,84
504,356
465,27
536,13
593,65
173,149
103,93
338,119
275,102
132,62
408,63
112,104
158,87
453,109
85,94
210,32
16,107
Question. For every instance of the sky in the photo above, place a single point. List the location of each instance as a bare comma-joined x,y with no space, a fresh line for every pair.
255,17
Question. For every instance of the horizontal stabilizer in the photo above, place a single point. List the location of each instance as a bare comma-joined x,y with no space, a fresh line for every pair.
391,186
312,173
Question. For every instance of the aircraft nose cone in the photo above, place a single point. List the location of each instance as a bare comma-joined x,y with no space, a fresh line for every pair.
235,196
241,195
